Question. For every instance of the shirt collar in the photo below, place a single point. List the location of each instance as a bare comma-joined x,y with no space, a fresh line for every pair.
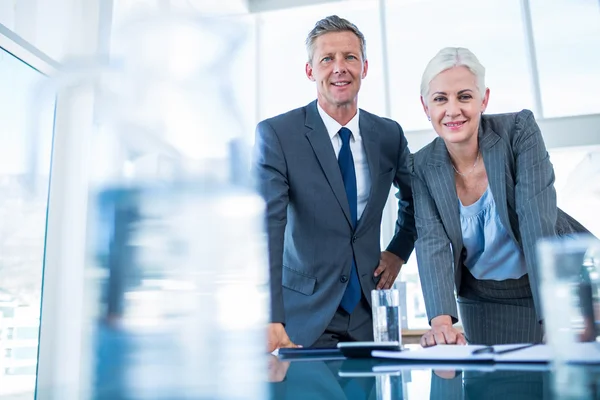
333,126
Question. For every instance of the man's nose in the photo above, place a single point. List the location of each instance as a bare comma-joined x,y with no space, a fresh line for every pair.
339,66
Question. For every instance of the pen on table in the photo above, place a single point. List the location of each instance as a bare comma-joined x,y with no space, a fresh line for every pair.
490,349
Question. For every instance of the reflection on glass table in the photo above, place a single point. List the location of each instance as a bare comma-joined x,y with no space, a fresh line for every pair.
355,379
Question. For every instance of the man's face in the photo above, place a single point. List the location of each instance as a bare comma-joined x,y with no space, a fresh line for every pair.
337,68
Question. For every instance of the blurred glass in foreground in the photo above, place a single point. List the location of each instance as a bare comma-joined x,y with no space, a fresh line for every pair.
177,275
570,271
574,382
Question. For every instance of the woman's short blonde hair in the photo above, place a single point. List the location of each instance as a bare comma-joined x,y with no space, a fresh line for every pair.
450,57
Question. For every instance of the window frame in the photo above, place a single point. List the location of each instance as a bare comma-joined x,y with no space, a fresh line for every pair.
26,52
37,60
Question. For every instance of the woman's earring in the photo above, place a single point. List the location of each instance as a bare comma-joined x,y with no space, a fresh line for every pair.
428,118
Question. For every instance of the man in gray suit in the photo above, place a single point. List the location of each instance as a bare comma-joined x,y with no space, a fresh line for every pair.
325,171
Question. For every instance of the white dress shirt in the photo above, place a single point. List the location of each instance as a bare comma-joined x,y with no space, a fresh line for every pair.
363,181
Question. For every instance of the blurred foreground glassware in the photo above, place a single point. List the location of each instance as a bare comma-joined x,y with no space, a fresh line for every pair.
570,292
574,382
177,276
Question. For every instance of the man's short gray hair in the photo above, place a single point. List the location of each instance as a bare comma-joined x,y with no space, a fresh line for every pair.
333,23
450,57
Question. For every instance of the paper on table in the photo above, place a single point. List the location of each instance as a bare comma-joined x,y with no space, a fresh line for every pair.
585,353
438,353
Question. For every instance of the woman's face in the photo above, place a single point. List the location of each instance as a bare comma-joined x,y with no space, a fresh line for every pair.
454,105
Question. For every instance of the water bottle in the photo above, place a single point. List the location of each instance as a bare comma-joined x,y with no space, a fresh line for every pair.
176,289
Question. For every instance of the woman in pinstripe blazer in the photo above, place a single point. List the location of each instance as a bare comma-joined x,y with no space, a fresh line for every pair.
484,194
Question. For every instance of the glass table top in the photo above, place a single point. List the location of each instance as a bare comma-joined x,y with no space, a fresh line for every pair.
375,379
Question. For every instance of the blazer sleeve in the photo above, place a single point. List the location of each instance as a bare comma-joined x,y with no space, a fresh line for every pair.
434,255
271,174
403,242
535,196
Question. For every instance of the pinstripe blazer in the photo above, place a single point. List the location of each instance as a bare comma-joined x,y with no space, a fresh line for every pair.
521,179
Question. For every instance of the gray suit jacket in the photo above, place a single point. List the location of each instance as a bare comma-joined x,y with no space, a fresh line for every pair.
311,239
521,179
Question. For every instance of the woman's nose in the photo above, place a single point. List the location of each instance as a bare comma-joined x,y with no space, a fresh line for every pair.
452,109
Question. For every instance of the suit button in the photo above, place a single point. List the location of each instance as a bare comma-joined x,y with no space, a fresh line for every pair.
343,279
354,239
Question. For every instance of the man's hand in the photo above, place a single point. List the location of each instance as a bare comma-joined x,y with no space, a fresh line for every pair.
277,337
442,332
389,268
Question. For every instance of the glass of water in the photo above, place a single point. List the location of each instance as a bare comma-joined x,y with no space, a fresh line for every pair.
386,315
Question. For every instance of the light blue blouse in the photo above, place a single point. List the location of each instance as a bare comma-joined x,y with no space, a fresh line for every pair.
491,252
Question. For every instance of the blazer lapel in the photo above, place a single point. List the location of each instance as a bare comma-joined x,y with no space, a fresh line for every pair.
323,149
440,176
493,158
370,140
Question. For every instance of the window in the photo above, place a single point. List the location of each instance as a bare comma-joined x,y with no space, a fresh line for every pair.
25,353
7,312
577,184
24,180
26,332
19,372
492,30
567,41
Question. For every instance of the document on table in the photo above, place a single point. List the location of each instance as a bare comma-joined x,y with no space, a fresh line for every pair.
585,353
438,353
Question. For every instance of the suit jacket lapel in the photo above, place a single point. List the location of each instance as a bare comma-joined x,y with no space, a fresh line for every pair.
323,149
370,140
440,176
493,158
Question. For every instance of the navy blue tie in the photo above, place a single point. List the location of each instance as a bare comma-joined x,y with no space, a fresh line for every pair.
346,161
